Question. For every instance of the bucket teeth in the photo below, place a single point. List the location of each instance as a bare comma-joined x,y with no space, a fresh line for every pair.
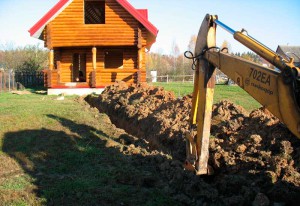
190,136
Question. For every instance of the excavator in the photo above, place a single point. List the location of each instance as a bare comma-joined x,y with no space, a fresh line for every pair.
278,90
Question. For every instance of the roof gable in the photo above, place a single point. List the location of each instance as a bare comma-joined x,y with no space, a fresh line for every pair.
140,15
289,51
38,28
143,12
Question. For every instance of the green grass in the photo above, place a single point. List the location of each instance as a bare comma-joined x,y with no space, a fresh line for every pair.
232,93
15,183
18,203
54,153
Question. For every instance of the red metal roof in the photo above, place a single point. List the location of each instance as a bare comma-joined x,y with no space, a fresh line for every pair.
37,29
140,15
143,12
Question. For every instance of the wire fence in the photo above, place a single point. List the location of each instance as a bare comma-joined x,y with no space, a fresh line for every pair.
220,79
7,81
11,80
171,78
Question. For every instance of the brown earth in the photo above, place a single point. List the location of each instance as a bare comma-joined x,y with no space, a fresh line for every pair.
255,157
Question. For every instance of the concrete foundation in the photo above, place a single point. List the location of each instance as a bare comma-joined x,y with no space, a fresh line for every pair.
75,91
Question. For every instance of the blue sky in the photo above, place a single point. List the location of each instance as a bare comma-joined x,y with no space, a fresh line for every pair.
273,22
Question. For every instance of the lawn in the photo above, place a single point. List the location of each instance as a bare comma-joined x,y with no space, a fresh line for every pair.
233,93
55,153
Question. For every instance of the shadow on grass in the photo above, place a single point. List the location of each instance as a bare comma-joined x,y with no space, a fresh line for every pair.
80,167
38,90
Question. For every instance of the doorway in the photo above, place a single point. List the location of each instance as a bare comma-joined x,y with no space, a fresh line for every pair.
79,67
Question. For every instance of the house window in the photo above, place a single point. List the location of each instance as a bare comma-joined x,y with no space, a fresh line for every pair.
113,59
94,12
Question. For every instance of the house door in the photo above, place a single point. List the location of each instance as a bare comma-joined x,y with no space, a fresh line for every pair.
79,67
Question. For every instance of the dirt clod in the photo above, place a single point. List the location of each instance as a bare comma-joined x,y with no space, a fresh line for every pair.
261,200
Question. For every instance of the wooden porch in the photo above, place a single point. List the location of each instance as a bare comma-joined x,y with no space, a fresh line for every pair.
96,71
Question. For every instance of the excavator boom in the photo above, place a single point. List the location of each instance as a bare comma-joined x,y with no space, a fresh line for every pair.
277,91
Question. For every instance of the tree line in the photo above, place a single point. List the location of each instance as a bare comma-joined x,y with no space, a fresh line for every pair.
27,58
35,58
176,64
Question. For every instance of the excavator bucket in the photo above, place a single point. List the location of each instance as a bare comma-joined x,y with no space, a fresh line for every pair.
197,147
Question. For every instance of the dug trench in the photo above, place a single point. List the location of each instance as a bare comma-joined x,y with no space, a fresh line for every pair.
255,158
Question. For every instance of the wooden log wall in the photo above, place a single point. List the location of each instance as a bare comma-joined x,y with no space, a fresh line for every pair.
68,28
52,78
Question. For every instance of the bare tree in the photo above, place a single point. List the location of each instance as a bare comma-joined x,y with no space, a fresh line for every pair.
175,53
175,49
192,43
226,45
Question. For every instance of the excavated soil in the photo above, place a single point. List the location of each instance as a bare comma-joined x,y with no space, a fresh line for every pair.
255,158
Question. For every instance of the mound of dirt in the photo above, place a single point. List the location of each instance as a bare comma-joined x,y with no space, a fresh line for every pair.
147,112
255,157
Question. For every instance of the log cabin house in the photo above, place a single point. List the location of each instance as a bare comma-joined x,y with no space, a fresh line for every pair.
93,43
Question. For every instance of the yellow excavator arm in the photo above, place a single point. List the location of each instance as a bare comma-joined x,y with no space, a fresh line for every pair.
277,90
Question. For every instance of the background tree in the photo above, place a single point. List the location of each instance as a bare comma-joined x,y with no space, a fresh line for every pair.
1,59
192,43
226,45
28,58
251,56
175,51
161,63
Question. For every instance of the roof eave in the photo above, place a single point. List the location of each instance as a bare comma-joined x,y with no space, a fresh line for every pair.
37,29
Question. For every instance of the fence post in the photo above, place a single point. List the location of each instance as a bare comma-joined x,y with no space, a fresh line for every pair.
4,81
13,80
9,74
167,78
1,85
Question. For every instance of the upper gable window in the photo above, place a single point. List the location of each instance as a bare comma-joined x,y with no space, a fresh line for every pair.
94,12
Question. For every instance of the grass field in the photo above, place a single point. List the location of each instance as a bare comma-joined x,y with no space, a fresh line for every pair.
54,153
233,93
